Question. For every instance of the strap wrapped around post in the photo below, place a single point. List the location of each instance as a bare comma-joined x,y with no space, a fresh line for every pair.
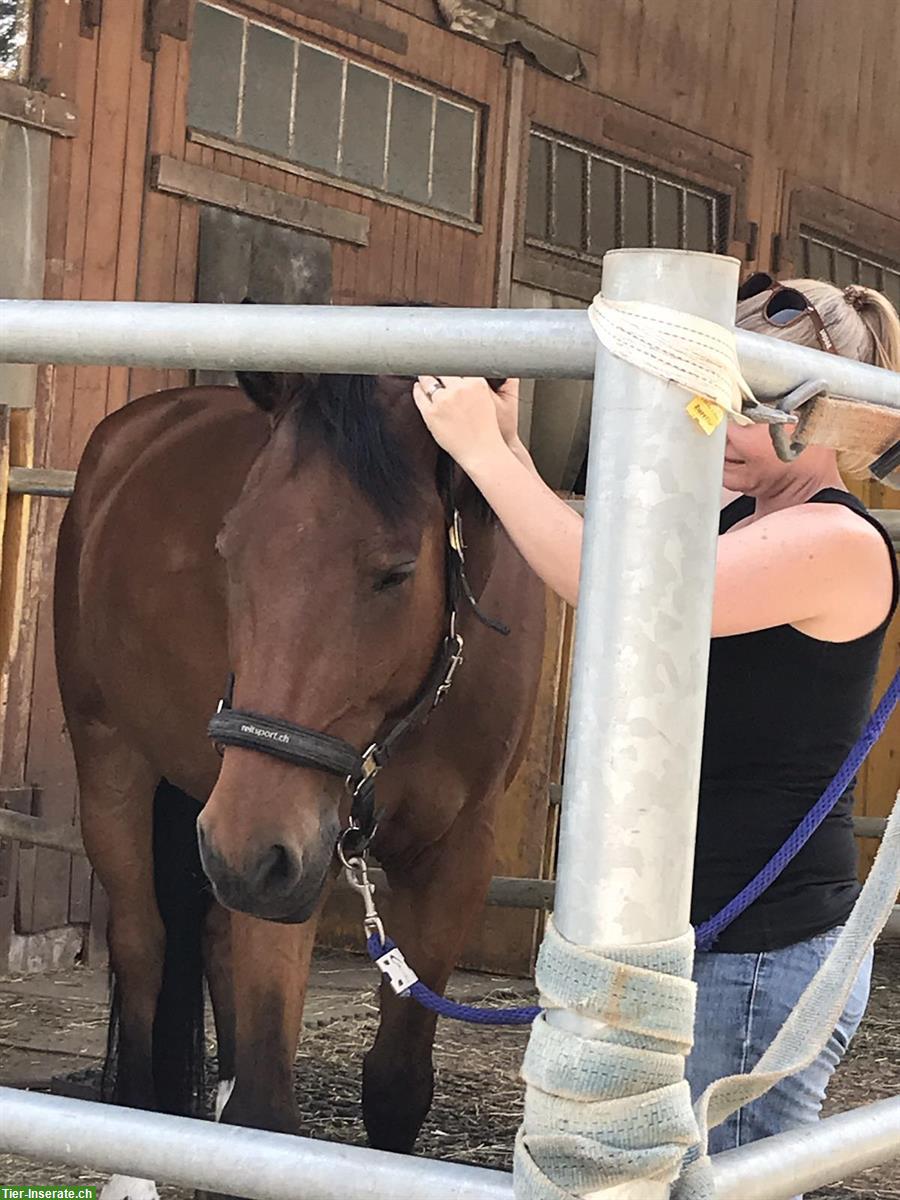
604,1111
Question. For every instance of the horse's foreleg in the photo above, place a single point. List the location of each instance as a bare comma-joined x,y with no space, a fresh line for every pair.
116,791
431,913
270,971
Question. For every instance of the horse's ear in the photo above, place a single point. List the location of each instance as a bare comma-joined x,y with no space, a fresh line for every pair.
264,388
268,390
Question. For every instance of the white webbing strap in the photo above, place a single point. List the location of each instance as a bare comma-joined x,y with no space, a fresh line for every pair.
805,1033
698,355
614,1108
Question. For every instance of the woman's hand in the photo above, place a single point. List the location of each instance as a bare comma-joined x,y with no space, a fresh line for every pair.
462,415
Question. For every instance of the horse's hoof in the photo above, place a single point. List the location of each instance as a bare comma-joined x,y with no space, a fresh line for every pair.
127,1187
395,1109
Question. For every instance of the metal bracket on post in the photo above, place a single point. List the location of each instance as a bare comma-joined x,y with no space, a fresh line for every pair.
165,17
91,17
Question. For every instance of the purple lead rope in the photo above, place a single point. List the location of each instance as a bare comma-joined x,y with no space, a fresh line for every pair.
707,933
380,946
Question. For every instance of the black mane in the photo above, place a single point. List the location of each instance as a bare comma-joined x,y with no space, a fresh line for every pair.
345,412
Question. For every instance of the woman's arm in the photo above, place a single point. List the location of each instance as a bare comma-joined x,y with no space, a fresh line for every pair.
506,406
546,532
464,417
815,566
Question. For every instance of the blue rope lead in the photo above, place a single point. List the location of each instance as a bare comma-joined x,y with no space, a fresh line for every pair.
706,933
711,928
448,1008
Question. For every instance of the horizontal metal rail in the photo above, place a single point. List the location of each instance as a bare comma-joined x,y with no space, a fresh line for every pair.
505,891
532,343
811,1156
511,890
275,1166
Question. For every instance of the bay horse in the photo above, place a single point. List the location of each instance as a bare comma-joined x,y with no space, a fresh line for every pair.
291,532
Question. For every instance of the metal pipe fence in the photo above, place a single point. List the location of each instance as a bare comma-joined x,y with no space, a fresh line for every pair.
620,597
530,343
267,1166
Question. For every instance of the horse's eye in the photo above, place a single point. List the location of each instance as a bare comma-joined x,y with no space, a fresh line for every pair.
394,577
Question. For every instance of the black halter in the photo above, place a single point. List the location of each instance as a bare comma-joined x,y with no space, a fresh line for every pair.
321,751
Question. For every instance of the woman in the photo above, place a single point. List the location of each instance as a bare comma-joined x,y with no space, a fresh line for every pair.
806,584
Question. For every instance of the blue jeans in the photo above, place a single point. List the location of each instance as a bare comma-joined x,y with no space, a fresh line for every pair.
742,1002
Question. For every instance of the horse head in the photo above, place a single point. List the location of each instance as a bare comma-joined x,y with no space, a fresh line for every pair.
335,575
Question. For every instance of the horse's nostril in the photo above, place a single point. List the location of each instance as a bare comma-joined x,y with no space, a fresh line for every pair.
278,869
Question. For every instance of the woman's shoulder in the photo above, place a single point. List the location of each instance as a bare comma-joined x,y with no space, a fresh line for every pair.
851,555
824,568
837,522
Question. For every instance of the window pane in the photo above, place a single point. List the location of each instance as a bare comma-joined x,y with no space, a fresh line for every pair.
569,197
365,126
845,268
698,214
537,212
318,118
892,287
869,275
604,202
818,260
452,183
268,84
637,209
410,143
215,71
668,217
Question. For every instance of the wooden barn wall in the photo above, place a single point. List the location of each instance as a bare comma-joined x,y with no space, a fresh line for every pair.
772,96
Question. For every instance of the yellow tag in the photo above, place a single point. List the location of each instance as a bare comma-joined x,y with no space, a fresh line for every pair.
707,415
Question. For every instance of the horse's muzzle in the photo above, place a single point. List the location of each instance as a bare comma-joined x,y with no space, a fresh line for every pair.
279,882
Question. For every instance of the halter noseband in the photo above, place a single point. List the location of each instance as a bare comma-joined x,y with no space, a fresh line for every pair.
309,748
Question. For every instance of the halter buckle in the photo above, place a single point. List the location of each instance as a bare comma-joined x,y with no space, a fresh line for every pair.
456,661
369,768
455,536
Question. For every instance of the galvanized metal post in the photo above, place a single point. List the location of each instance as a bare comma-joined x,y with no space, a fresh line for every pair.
642,640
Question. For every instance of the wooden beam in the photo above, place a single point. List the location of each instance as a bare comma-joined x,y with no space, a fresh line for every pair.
26,106
195,182
14,539
35,832
39,481
552,275
354,23
169,17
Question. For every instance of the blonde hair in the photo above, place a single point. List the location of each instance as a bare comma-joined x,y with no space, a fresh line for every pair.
863,324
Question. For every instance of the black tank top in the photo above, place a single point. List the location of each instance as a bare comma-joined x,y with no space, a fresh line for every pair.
783,711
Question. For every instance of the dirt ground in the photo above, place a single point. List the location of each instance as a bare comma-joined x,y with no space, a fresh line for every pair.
52,1032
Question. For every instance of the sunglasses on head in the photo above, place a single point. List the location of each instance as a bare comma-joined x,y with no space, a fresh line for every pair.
785,306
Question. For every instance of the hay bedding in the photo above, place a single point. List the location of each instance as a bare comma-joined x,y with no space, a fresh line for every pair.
478,1096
